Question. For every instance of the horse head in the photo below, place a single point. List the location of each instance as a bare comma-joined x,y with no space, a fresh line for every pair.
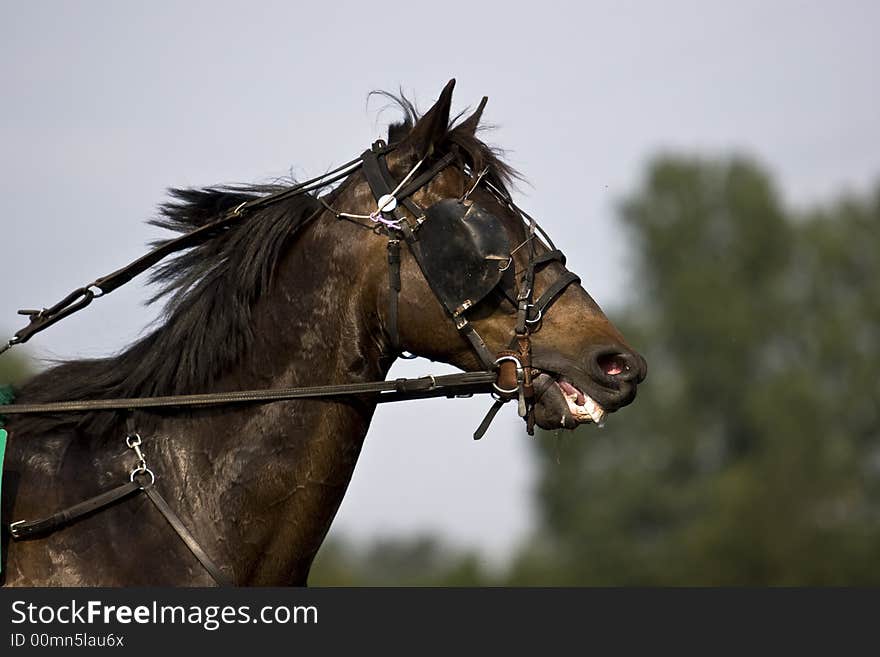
471,260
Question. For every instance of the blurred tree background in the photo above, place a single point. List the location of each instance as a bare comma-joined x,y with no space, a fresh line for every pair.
14,367
751,456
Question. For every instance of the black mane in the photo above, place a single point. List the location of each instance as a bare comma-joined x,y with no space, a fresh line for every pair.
221,279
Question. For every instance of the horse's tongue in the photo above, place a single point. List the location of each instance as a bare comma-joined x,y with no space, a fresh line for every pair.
569,389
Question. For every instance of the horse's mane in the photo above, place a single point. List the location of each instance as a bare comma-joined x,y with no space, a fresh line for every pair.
221,279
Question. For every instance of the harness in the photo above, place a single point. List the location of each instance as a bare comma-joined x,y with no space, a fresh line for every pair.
464,254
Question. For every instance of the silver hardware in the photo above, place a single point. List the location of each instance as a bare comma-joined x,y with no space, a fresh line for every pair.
12,528
134,441
537,319
143,471
474,186
467,303
520,375
386,204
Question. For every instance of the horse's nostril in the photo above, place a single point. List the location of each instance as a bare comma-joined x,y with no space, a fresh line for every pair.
613,364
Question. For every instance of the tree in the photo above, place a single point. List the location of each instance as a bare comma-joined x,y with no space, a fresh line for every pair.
14,368
751,454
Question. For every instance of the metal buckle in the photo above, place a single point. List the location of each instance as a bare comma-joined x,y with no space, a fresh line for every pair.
12,528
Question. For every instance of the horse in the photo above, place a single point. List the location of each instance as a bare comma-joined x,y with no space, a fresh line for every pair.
296,294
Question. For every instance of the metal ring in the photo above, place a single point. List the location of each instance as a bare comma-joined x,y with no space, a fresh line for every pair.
237,211
130,440
516,360
519,374
433,380
97,295
537,319
507,266
143,471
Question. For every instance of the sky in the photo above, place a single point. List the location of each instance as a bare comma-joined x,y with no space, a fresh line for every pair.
106,104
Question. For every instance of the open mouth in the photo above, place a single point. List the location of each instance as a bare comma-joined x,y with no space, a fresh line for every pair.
561,403
581,406
568,395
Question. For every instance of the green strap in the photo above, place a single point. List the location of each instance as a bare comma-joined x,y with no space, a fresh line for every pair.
6,397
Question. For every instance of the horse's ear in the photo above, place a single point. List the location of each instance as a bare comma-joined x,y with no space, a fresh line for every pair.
470,124
431,128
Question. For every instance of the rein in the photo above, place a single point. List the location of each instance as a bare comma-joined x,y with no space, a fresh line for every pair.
507,375
447,385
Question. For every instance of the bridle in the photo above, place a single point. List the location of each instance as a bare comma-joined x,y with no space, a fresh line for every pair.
514,364
448,223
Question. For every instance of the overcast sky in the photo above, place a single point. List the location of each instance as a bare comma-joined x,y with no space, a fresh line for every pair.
105,104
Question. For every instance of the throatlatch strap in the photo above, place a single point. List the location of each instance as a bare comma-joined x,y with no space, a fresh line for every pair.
393,292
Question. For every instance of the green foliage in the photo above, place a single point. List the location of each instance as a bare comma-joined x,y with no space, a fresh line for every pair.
751,455
423,561
14,367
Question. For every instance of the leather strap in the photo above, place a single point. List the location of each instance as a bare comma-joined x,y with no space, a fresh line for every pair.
550,294
549,256
393,292
423,179
83,296
467,330
187,538
398,390
381,183
25,529
490,415
29,528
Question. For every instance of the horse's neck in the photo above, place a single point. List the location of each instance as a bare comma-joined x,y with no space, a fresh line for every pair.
278,472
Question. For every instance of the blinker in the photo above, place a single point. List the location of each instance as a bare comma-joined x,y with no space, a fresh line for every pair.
461,251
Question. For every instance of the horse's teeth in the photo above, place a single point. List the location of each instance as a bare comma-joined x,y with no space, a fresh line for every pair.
590,410
596,412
